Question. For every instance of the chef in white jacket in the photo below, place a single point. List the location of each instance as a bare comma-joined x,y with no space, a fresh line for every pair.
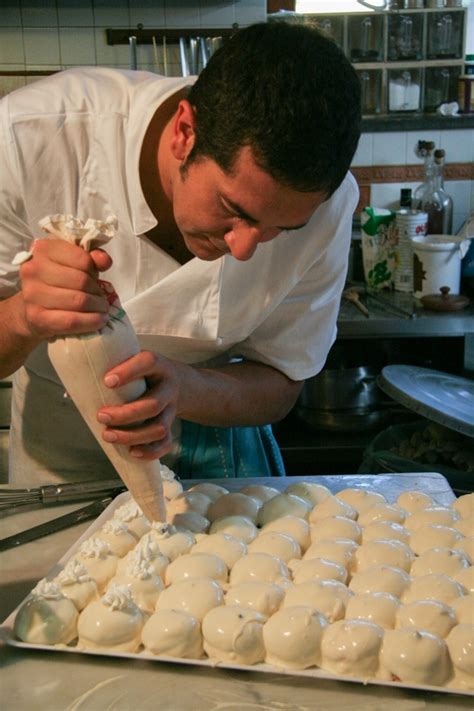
234,206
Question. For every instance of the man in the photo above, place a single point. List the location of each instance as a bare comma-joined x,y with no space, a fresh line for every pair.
234,207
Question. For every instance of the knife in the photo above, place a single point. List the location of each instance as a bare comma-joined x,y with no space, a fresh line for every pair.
56,524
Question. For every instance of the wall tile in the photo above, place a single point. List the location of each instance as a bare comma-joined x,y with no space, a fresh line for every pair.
182,13
10,14
111,13
39,13
246,12
389,148
386,195
108,54
364,153
77,46
217,14
41,46
150,13
412,141
460,191
11,46
75,13
458,145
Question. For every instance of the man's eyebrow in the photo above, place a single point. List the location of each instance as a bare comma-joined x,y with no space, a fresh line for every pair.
245,216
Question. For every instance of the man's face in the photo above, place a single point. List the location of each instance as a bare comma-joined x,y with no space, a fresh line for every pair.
221,214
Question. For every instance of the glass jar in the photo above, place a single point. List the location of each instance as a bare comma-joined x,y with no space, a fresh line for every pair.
366,38
405,37
445,35
441,86
371,91
404,90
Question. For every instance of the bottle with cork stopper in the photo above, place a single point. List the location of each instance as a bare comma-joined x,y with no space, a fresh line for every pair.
436,201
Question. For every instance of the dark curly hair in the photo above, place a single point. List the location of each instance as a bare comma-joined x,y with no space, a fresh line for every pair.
290,94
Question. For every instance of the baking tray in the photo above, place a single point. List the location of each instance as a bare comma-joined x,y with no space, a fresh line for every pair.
390,485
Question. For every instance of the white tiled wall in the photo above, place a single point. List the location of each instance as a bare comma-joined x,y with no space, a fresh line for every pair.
398,148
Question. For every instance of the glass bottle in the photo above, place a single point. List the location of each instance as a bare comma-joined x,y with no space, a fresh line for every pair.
436,201
425,150
405,198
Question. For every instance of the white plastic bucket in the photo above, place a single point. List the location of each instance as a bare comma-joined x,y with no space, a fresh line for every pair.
437,263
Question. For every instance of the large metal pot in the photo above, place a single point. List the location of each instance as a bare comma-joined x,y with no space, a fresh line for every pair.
342,399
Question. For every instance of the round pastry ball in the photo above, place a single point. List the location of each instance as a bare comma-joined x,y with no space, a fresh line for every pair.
117,536
351,648
414,657
197,565
234,634
412,501
440,515
385,531
294,526
329,597
381,512
434,586
226,547
77,584
213,491
434,535
332,506
195,596
464,526
466,546
280,545
464,505
338,550
173,633
317,569
240,527
312,493
148,552
190,521
460,643
439,560
259,567
171,543
46,616
393,553
378,607
360,499
259,491
234,504
132,515
112,623
465,577
265,598
336,527
463,608
429,615
99,561
292,637
283,505
171,488
380,578
188,501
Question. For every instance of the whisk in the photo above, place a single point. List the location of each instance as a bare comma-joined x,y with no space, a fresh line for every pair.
59,493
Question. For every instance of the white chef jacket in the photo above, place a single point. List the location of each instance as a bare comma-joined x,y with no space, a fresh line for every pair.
70,143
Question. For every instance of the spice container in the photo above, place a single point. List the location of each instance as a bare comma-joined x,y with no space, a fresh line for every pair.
371,91
441,86
405,36
445,35
466,93
404,90
366,38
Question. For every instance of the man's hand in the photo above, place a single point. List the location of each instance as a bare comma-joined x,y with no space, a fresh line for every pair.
61,295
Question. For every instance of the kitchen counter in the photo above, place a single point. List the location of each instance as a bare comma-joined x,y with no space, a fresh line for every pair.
51,680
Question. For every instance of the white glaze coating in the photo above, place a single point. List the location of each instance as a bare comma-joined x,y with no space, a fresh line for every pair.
261,492
114,622
433,535
237,526
464,526
144,584
435,586
385,531
380,578
393,553
265,598
317,569
464,609
441,515
466,546
280,545
46,616
351,647
131,514
97,558
292,637
464,505
332,506
195,596
378,607
116,534
439,560
148,551
197,565
360,499
429,615
190,521
213,491
173,633
259,567
283,505
77,584
329,597
414,656
336,527
295,526
234,504
465,577
382,512
311,492
413,501
339,550
460,643
173,545
188,501
234,634
226,547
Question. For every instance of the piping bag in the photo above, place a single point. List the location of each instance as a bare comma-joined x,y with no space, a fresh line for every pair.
81,362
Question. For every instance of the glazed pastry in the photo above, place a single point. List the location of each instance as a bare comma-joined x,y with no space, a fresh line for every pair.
148,551
283,505
336,527
113,623
464,609
393,553
460,643
260,492
46,616
382,512
332,506
280,545
188,501
117,536
145,586
292,637
434,535
465,577
377,607
237,526
412,501
317,569
171,486
381,578
294,526
360,499
196,596
329,597
464,505
234,504
439,560
351,647
77,584
466,546
435,586
312,493
338,550
213,491
464,526
429,615
440,515
190,521
260,567
132,515
173,633
414,657
265,598
234,634
172,543
226,547
97,558
385,531
197,565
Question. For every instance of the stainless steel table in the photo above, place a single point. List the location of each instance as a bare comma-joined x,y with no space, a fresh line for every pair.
71,682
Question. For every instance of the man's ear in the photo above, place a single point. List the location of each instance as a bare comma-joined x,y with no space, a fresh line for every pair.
183,137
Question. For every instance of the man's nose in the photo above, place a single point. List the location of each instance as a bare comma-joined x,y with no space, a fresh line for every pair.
243,241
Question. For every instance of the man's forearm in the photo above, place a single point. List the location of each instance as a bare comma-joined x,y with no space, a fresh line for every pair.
237,394
16,343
